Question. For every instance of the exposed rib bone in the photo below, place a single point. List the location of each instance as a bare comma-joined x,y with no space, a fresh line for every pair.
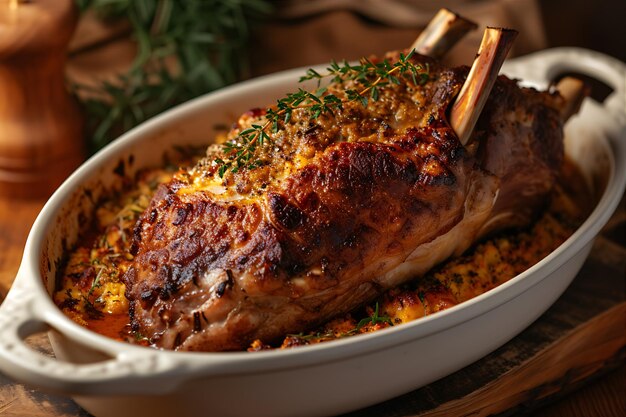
442,33
483,74
573,92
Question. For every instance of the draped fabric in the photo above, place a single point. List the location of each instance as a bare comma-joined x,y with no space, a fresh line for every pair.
305,32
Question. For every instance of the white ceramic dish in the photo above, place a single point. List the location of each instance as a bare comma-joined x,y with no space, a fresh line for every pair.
110,378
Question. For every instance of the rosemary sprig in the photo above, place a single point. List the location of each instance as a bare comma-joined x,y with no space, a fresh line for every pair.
203,41
240,152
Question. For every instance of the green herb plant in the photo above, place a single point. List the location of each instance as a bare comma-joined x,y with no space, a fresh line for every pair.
185,48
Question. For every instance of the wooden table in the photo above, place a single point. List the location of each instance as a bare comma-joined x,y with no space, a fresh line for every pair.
571,362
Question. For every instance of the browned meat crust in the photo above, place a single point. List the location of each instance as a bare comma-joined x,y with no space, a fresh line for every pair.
520,141
383,193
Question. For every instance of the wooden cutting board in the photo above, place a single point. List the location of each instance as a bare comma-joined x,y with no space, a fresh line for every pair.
581,336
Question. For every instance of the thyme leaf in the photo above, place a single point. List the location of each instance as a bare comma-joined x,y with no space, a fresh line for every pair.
240,152
374,319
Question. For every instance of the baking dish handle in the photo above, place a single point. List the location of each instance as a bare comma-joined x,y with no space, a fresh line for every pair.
549,64
130,371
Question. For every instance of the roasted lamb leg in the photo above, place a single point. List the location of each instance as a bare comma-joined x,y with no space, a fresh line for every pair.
337,210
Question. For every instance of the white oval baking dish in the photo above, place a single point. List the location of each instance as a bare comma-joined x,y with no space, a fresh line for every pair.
110,378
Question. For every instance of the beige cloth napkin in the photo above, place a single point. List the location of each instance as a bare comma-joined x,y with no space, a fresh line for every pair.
307,32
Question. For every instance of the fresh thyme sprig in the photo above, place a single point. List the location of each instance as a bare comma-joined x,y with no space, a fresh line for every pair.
374,319
240,152
243,150
384,71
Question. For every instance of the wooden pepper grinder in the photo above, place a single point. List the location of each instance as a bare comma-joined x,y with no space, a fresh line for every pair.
41,125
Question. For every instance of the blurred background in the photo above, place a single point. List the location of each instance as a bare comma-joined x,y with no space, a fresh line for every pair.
120,48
